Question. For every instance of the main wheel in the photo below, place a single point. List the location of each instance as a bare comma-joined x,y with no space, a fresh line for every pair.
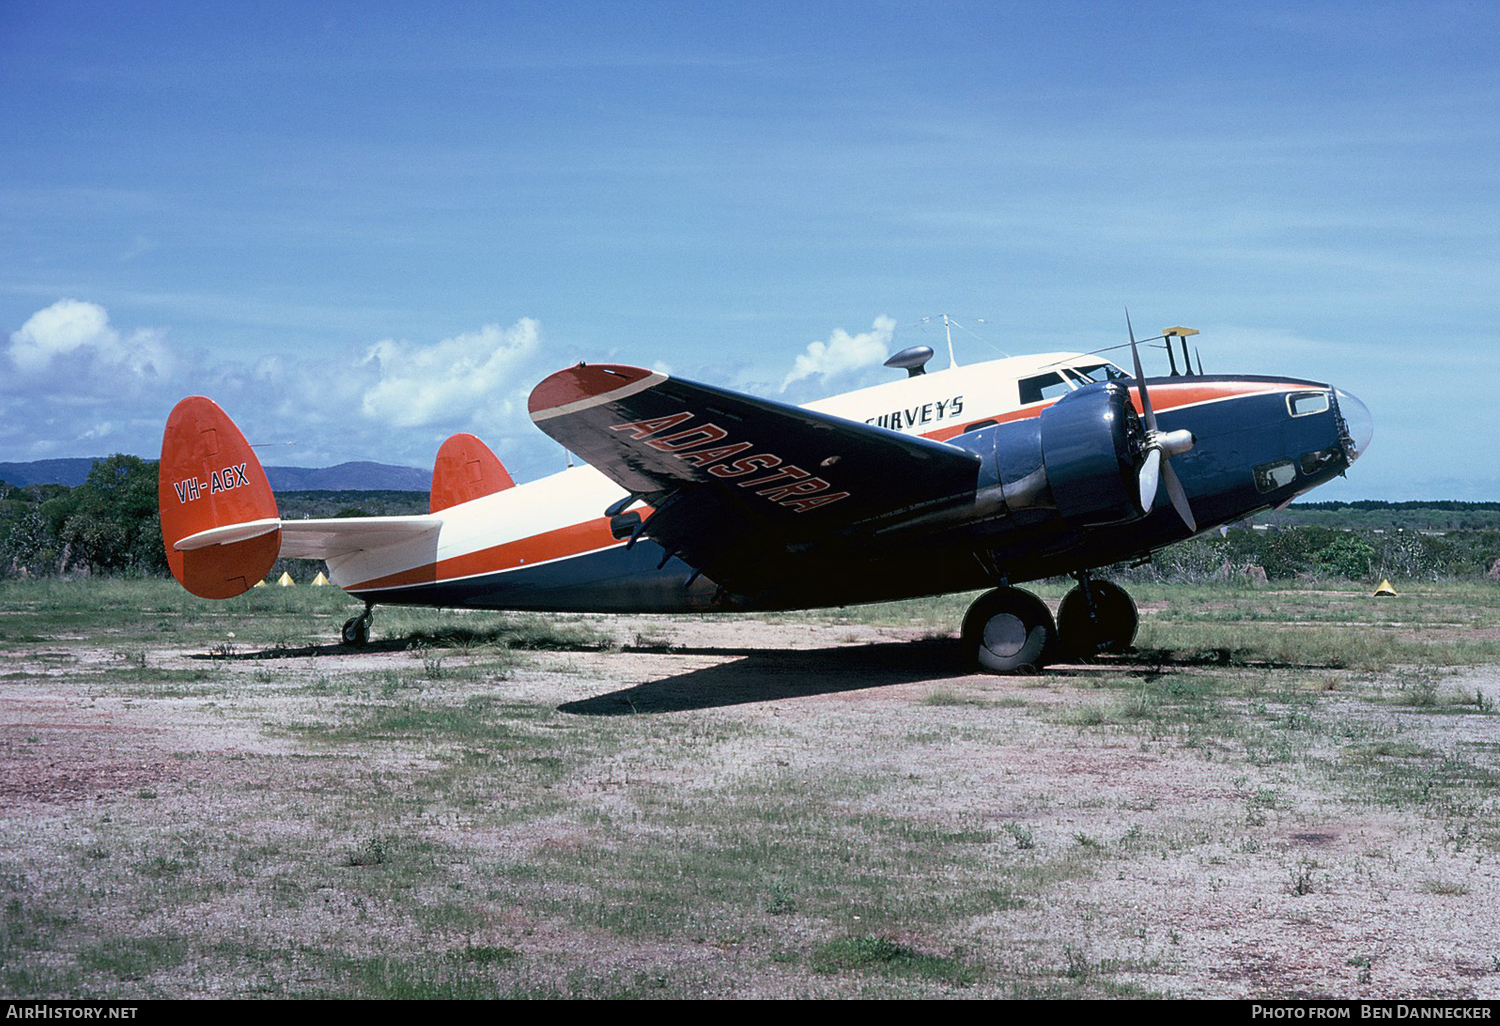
1009,631
1105,624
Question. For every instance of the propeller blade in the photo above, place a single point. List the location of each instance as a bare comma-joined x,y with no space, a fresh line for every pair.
1147,413
1156,466
1178,496
1150,474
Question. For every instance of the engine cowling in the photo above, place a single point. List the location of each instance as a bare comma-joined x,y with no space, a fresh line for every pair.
1092,445
1081,457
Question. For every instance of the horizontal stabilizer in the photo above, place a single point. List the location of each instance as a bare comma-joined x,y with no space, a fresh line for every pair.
228,535
318,539
339,536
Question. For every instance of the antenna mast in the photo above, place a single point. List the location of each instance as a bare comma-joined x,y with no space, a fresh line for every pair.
948,329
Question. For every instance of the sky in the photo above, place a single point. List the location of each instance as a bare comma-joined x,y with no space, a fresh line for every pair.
361,227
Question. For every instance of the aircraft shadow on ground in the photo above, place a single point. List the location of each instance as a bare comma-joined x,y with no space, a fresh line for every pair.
764,675
752,675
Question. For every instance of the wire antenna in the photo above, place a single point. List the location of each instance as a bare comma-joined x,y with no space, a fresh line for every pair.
949,323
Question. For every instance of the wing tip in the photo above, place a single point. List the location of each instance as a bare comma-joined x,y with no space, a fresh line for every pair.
587,385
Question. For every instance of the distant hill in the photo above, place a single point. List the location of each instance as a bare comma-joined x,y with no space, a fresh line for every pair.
345,477
350,477
63,472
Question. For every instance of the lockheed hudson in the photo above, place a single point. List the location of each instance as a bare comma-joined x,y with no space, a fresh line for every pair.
701,499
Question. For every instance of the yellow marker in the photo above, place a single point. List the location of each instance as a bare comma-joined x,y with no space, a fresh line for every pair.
286,580
1385,589
258,584
320,581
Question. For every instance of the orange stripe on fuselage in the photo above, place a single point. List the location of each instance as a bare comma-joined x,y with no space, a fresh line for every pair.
594,535
538,548
1164,396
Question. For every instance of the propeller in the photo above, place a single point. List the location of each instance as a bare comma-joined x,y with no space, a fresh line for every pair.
1160,447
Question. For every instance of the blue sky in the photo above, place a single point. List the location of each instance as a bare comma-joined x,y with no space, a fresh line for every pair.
361,227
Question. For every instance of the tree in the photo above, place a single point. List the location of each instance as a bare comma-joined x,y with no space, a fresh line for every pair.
1348,556
110,522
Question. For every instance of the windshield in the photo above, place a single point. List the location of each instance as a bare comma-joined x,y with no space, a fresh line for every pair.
1058,383
1090,373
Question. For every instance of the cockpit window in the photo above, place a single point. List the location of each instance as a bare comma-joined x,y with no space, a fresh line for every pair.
1058,383
1096,372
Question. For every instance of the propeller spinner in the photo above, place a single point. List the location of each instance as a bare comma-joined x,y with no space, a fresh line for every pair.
1160,447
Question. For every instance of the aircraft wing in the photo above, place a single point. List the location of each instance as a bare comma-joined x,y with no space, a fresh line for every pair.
740,485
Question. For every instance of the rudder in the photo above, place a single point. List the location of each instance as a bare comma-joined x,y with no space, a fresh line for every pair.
209,479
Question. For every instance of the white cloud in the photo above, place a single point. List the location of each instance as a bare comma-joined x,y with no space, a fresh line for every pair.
71,383
843,353
73,328
64,327
453,380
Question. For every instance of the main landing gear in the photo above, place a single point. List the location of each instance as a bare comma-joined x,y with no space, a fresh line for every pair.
1009,631
1012,631
356,629
1096,617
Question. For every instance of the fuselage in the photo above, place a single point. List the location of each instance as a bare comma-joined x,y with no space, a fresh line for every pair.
548,544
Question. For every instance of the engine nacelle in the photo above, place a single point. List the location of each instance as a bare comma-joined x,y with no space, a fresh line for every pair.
1092,442
1081,457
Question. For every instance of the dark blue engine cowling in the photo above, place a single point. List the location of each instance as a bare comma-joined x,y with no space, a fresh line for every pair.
1092,443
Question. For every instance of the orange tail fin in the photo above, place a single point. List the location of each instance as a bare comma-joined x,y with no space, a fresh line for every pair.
465,470
218,516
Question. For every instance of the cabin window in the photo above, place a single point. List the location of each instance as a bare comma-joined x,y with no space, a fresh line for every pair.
1303,404
1312,462
1271,476
980,426
1043,387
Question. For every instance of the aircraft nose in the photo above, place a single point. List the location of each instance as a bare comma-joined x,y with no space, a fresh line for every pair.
1359,426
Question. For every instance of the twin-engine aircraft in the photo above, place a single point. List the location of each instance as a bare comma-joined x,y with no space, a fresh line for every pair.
700,499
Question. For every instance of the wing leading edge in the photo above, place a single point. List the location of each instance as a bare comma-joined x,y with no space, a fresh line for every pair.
741,485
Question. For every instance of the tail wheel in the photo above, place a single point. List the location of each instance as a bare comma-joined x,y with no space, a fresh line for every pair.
1101,619
356,629
1009,631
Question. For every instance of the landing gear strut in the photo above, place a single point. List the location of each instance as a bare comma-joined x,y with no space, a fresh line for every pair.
1009,631
1096,617
356,629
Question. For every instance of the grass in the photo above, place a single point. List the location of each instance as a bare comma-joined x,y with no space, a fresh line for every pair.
130,958
887,957
430,822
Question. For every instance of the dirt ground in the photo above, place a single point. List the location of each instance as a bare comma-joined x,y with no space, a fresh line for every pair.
1167,861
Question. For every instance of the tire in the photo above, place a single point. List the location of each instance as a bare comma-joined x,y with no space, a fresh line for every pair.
1110,627
1008,631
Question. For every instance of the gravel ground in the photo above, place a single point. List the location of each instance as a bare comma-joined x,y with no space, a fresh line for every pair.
1225,876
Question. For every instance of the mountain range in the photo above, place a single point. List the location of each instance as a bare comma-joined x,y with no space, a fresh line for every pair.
345,477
